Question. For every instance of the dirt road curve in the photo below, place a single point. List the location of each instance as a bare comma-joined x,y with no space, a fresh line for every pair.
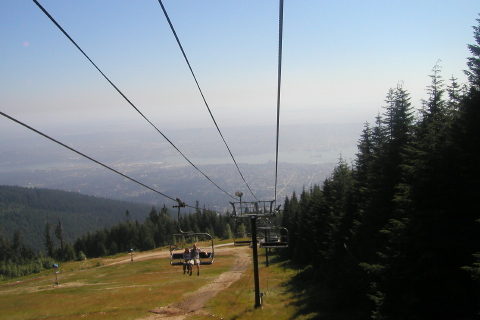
194,302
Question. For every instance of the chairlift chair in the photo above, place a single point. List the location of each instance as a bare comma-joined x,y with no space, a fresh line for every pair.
239,239
206,257
275,240
176,259
253,208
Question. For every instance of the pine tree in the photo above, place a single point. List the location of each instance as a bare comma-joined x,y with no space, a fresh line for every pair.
473,63
242,230
227,232
434,107
5,247
59,235
16,245
153,216
49,244
435,234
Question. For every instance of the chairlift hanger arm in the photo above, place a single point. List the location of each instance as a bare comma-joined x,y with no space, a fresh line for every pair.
180,204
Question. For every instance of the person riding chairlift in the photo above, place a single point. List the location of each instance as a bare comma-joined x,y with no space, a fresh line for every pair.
195,256
187,264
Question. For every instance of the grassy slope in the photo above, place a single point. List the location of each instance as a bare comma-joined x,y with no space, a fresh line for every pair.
129,290
279,302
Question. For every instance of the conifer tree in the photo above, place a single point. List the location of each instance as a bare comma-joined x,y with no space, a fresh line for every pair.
16,245
467,140
473,63
5,247
422,274
49,244
59,235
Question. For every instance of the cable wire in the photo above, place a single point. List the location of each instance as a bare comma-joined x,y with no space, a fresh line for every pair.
83,155
121,93
280,48
91,159
201,93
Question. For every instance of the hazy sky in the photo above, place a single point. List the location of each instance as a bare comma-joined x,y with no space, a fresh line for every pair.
339,59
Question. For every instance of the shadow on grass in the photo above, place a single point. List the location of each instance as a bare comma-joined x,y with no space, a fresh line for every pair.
316,296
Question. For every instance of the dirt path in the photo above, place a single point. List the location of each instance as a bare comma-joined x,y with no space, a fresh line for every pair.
194,302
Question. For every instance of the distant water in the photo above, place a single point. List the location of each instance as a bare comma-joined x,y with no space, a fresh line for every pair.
290,157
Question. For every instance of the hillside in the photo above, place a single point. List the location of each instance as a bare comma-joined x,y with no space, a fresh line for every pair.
150,288
27,209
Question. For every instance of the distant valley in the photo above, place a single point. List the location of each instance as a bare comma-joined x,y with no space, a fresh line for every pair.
307,155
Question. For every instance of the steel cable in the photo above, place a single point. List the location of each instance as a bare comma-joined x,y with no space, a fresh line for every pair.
96,161
280,48
121,93
201,93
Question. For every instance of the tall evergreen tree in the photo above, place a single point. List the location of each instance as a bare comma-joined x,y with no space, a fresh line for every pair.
49,244
59,235
473,72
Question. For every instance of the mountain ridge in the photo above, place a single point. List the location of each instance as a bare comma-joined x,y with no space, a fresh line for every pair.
28,209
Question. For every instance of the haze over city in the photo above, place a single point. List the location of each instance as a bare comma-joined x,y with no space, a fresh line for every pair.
339,61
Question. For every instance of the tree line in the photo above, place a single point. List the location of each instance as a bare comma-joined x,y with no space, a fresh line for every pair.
395,234
18,259
156,231
27,209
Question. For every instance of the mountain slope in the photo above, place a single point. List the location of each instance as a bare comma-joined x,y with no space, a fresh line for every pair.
27,209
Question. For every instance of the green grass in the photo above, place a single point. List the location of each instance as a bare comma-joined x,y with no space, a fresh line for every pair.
123,291
129,290
278,301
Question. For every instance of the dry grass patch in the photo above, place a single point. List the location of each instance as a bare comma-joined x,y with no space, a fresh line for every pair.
116,291
115,288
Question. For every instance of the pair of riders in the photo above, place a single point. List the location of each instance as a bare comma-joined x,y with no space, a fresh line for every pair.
191,258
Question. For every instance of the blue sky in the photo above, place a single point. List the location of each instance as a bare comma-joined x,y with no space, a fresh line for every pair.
339,59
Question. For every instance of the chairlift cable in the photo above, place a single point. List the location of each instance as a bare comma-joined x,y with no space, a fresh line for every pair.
121,93
91,159
83,155
280,49
201,93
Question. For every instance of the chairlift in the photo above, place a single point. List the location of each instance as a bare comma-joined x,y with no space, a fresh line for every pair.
176,259
253,208
273,237
240,239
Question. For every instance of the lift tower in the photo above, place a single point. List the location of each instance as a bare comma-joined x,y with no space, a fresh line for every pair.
253,211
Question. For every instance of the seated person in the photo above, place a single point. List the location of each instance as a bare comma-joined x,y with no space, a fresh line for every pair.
187,266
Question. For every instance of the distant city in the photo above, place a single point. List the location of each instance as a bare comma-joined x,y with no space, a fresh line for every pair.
307,155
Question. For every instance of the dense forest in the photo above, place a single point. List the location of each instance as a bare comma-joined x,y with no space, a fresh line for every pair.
26,210
156,231
395,234
18,257
29,215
